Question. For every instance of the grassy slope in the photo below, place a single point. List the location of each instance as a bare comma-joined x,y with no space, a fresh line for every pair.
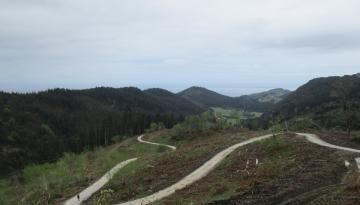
161,171
55,182
284,172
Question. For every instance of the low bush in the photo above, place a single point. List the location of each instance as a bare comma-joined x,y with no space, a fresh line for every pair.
104,197
198,124
352,180
155,127
161,149
274,144
355,136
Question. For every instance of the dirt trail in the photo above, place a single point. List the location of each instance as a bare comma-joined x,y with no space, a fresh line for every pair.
153,143
195,175
213,162
189,179
88,192
316,140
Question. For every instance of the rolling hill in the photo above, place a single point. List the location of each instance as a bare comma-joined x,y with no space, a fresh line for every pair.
39,127
329,102
206,99
271,96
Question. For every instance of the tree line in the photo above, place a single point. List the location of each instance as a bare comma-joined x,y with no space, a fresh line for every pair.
40,127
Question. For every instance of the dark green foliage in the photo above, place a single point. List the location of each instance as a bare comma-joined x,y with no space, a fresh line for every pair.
323,103
356,137
206,99
197,125
39,127
161,149
155,127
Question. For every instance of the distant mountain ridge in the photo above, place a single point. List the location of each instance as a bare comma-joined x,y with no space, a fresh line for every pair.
206,99
72,120
39,127
271,96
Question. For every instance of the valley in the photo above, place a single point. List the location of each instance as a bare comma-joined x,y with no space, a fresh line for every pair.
250,102
218,155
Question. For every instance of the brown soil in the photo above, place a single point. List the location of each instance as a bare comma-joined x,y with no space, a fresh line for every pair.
168,168
298,173
338,138
309,174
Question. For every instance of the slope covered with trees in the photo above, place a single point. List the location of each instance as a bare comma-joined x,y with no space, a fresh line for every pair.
206,99
39,127
331,102
272,96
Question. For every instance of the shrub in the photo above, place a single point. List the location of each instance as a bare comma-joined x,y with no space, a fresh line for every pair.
161,149
273,144
356,137
303,124
104,197
118,138
198,125
155,127
352,180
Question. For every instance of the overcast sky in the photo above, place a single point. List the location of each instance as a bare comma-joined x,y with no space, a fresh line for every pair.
231,46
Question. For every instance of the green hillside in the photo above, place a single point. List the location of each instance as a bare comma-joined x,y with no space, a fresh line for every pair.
206,99
289,169
272,96
325,103
39,127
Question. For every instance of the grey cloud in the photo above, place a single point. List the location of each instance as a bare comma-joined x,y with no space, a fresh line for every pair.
83,43
327,41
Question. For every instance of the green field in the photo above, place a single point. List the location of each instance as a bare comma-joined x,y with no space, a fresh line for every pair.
234,116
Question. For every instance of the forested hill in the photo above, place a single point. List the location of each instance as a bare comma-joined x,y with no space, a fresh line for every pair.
172,101
329,102
39,127
206,98
272,96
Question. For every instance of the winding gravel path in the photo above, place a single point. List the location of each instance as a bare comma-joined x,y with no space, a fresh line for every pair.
316,140
153,143
189,179
213,162
195,175
88,192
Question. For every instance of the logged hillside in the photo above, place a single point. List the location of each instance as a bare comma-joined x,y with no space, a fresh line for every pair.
206,99
272,96
39,127
332,102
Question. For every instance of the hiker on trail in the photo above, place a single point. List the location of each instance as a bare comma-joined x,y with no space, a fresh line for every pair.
78,197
